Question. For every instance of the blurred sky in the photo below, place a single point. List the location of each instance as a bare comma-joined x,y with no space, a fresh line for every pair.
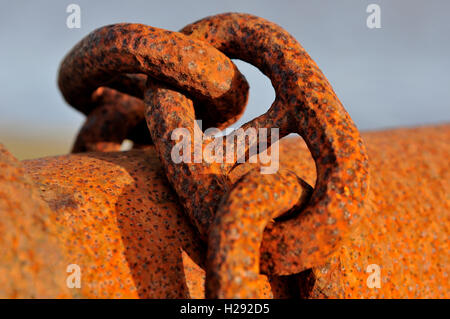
394,76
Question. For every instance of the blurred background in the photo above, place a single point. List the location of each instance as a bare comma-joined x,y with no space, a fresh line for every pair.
394,76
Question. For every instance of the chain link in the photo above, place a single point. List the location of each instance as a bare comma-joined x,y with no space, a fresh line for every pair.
125,74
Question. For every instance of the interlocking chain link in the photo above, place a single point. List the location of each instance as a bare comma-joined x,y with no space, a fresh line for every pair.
189,75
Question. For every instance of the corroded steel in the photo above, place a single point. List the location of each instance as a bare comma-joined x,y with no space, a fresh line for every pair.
117,217
105,129
32,263
113,213
191,65
406,224
199,186
305,104
188,64
236,233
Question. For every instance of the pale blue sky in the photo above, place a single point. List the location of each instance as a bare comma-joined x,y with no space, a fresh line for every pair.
394,76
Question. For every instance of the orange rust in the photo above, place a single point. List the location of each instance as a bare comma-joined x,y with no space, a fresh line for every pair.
118,50
236,233
104,129
117,218
314,235
199,186
406,224
130,240
31,264
305,104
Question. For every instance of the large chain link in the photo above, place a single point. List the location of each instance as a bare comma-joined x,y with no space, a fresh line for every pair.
188,75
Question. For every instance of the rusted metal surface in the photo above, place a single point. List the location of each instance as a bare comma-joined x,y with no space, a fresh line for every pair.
113,209
119,220
135,241
116,216
236,234
105,129
31,264
188,64
171,57
305,104
406,224
196,184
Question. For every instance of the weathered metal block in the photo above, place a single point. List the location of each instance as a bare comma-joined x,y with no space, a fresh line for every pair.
115,215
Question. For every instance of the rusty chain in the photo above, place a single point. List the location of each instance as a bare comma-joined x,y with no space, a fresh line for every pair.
188,75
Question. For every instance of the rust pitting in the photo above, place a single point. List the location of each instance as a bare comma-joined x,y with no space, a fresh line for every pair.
305,104
115,214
